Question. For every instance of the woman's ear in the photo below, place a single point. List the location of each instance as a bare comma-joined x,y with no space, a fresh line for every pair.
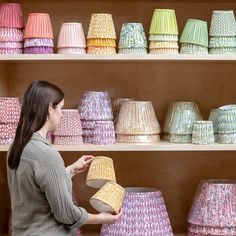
50,109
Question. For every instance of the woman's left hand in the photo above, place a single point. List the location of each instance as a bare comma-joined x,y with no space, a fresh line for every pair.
81,164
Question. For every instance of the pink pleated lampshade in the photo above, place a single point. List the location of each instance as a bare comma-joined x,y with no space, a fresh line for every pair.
67,140
214,204
71,35
11,35
11,15
10,51
9,110
7,131
11,45
78,51
38,26
70,123
208,230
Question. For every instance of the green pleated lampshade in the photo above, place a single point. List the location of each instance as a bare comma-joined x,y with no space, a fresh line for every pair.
164,22
195,32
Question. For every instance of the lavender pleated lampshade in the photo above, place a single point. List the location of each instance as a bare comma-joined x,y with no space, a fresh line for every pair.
95,106
144,214
88,132
86,124
38,50
104,132
88,139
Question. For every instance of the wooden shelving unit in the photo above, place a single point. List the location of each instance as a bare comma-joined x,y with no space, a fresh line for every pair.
209,80
118,58
155,147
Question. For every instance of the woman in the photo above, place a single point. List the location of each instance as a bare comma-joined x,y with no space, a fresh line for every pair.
40,186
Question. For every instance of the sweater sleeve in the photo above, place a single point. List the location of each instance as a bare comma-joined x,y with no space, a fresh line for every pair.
51,177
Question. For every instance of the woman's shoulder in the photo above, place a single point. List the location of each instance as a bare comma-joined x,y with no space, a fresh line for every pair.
38,151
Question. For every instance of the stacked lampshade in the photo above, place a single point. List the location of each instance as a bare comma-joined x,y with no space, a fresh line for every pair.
213,210
101,175
9,117
101,35
109,198
97,118
132,39
227,124
69,130
11,28
144,213
203,132
178,124
38,34
137,123
194,39
71,39
214,117
100,172
104,132
116,106
163,32
222,33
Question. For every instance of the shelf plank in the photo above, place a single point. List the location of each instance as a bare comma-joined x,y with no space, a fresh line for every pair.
161,146
115,58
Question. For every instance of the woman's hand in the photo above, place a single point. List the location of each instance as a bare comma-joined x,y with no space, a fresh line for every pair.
103,218
80,165
108,218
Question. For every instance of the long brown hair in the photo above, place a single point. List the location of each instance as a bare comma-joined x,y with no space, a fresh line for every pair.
38,96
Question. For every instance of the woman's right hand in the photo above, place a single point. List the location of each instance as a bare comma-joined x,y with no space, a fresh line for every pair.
103,218
108,218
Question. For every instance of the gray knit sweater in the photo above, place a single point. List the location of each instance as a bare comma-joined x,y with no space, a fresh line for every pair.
41,193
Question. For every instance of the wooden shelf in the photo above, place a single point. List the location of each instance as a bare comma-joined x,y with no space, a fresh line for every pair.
162,146
116,57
